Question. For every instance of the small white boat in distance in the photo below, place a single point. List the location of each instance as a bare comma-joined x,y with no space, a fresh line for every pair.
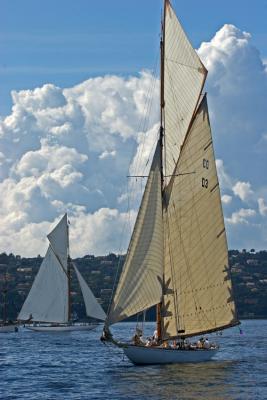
47,307
177,259
72,327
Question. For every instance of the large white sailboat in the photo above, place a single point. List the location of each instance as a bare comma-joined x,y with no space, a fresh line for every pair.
48,304
177,258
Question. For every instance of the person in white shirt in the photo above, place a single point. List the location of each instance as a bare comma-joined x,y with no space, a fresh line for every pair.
206,344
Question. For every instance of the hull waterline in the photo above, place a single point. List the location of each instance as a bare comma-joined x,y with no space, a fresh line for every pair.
61,328
152,355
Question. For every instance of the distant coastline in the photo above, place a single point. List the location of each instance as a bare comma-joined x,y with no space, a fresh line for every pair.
248,271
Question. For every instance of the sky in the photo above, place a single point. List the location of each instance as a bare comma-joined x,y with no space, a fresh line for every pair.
75,78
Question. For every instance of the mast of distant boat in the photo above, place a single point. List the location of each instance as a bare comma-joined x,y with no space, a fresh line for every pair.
68,273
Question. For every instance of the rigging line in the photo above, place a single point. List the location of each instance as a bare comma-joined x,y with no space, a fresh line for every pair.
115,281
137,163
148,104
165,176
135,192
128,196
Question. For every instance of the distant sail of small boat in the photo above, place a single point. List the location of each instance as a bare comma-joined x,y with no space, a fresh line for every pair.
48,304
177,258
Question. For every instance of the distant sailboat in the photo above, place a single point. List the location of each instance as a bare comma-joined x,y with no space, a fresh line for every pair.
48,304
6,325
177,257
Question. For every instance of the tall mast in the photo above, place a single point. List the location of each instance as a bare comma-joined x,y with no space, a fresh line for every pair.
68,273
162,103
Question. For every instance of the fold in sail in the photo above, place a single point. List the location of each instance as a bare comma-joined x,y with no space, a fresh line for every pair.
93,308
47,300
183,76
198,291
140,284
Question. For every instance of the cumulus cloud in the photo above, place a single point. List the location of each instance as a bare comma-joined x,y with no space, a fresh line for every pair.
243,190
262,206
106,154
71,149
241,216
226,199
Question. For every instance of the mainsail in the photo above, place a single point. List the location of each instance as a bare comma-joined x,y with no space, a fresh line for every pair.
140,285
178,254
47,300
197,291
93,308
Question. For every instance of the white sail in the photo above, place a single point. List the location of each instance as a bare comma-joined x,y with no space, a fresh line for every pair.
59,241
184,76
47,300
93,308
140,285
198,291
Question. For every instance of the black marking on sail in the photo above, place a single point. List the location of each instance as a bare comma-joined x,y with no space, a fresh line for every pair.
220,233
181,331
214,187
159,278
166,287
230,298
208,145
227,277
164,310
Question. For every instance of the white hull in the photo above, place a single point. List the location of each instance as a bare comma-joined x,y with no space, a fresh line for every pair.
8,328
152,355
61,328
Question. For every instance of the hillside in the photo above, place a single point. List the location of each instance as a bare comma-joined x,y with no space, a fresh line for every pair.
249,275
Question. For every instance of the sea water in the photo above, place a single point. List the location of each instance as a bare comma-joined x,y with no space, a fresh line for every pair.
78,366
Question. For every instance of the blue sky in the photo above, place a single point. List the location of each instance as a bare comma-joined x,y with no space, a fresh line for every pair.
77,76
65,42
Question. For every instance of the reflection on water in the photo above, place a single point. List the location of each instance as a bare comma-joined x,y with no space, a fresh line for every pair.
203,381
77,366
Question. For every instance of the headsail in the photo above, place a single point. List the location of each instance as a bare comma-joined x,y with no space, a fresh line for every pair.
198,292
140,285
184,76
47,300
93,308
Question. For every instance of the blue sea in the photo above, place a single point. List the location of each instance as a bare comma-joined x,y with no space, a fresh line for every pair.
78,366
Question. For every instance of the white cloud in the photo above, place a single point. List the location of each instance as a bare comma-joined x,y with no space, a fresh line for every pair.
262,206
70,150
240,217
226,199
106,154
243,190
